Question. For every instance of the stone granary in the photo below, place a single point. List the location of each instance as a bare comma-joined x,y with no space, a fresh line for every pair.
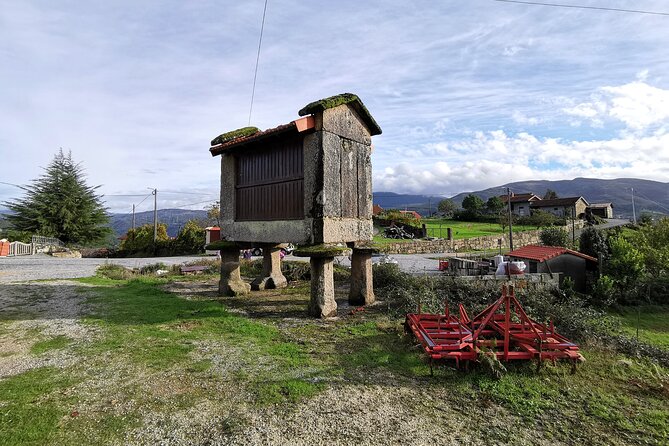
308,182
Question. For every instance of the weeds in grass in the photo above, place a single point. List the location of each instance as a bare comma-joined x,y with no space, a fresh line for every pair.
31,406
55,343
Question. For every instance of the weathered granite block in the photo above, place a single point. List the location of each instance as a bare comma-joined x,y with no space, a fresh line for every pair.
322,303
362,288
271,277
231,283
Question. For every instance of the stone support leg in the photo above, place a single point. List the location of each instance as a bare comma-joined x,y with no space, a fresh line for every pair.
271,277
322,303
231,283
362,288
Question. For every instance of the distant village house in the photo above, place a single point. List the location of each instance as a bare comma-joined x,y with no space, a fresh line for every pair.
520,203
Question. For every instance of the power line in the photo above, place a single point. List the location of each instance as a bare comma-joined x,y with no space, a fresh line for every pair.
599,8
255,74
652,201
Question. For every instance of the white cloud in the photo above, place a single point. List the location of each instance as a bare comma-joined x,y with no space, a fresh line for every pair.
495,158
638,105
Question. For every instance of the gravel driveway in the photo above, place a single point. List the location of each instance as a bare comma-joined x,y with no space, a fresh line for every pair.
42,266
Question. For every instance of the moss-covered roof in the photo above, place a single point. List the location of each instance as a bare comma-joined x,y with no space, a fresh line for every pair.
341,99
221,245
229,136
321,251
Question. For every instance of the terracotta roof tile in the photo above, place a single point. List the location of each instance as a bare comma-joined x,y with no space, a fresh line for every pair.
543,253
220,148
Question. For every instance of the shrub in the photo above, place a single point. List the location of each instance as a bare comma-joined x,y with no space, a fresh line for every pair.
294,270
250,268
153,268
554,237
593,243
114,272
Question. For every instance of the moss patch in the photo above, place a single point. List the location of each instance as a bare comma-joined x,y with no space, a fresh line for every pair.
326,103
321,251
222,245
341,99
229,136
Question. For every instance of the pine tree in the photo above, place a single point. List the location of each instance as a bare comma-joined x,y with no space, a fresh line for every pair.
60,204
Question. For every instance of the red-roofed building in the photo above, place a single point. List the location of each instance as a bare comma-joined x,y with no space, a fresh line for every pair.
556,259
376,209
413,214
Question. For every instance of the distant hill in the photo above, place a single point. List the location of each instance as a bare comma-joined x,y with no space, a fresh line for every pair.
173,218
418,203
649,196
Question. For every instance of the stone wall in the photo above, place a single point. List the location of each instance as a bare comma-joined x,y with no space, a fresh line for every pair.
486,243
525,281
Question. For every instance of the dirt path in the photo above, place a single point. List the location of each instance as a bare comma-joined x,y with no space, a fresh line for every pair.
33,313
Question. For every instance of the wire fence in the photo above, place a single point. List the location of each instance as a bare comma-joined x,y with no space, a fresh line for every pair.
46,241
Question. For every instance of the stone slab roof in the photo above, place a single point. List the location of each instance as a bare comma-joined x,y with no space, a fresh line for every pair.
340,99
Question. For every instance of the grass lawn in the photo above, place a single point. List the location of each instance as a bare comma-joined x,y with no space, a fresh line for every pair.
162,357
462,229
652,321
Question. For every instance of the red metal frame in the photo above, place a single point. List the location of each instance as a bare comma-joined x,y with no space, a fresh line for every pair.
502,329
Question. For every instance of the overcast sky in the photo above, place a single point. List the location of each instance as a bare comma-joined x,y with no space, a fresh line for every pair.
469,93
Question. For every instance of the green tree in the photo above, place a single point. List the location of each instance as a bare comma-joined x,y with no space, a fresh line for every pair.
190,239
593,243
550,195
541,219
140,239
60,204
214,214
626,265
653,241
494,205
447,206
553,237
473,204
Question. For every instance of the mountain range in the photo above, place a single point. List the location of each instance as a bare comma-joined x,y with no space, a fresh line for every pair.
649,196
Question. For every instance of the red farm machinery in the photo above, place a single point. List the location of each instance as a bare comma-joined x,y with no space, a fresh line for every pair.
503,329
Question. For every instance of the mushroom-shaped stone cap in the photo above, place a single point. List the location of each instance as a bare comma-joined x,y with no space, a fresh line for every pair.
341,99
229,136
222,245
320,251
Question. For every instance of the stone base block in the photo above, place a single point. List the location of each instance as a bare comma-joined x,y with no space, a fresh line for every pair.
362,288
231,283
322,303
271,277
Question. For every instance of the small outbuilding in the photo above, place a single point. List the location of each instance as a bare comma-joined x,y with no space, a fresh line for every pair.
556,259
307,182
520,203
603,210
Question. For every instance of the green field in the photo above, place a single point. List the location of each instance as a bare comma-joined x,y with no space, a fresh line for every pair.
154,358
652,321
467,229
437,227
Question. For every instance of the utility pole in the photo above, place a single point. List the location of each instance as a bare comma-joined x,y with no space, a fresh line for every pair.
508,202
573,227
133,217
155,215
633,209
